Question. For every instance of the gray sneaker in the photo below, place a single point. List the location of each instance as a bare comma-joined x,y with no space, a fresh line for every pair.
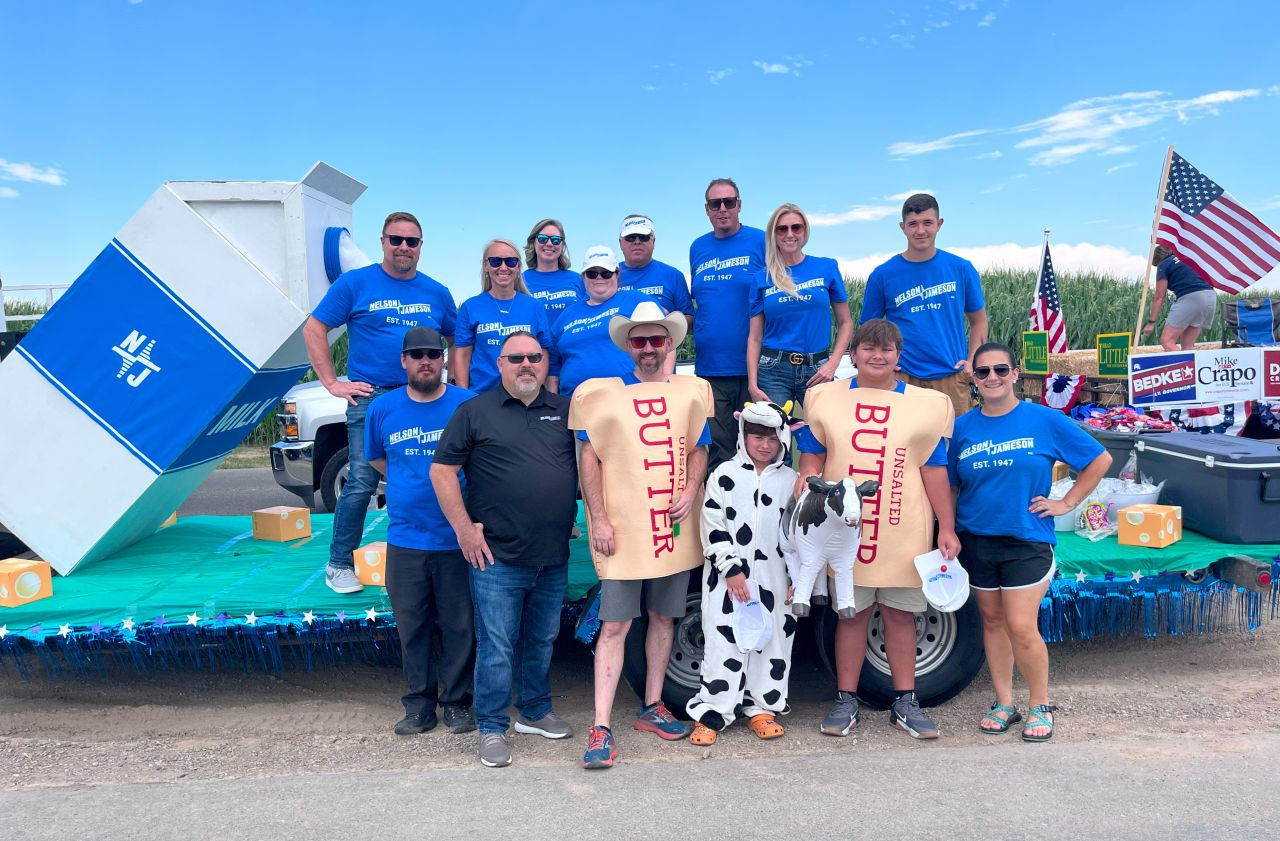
907,715
550,726
843,716
494,752
342,579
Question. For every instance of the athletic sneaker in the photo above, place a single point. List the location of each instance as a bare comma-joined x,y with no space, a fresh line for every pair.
494,752
342,579
550,726
601,749
412,725
907,715
459,719
656,718
843,716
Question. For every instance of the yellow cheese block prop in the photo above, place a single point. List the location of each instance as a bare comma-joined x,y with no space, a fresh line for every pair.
1150,525
371,564
281,523
23,581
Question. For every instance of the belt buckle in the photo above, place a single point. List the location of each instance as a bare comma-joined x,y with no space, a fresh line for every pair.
796,358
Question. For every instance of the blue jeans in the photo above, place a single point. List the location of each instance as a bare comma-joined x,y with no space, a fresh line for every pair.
362,482
783,381
517,619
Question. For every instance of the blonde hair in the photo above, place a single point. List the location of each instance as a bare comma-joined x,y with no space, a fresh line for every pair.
530,252
485,283
779,273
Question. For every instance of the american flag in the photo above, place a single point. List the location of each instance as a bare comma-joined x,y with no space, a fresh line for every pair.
1046,307
1212,232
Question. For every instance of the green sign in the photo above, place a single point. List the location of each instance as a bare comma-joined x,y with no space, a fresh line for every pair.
1113,354
1035,352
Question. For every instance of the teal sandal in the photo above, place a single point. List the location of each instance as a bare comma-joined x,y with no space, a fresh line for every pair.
1036,718
996,707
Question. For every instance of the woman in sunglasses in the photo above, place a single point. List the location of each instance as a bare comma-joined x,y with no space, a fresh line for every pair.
503,306
580,343
546,256
1001,461
794,302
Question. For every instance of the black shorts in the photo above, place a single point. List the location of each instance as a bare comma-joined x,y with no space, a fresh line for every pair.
1004,563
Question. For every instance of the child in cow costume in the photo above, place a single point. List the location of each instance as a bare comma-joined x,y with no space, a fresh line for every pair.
741,518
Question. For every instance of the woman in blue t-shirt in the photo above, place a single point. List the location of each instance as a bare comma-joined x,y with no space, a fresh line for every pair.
793,303
503,306
546,259
1001,461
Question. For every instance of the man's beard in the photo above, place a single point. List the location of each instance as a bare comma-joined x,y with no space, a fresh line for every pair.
649,365
425,383
524,387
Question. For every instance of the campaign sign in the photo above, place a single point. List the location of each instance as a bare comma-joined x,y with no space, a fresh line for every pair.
1230,375
1113,354
1271,374
1035,352
1162,379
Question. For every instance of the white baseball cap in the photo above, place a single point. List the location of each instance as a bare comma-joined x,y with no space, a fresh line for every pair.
752,624
945,582
600,257
636,225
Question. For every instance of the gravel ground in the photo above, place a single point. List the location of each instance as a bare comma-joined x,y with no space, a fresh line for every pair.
153,728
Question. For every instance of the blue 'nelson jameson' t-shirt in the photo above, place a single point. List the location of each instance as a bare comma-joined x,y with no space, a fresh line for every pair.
378,310
405,433
1000,463
484,321
556,290
580,343
723,271
800,322
665,284
928,302
1182,279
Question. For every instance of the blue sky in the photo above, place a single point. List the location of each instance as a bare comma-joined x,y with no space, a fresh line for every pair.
483,117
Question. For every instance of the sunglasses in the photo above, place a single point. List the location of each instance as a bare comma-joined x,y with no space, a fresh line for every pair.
727,204
517,358
984,371
543,239
592,274
637,237
396,241
638,342
511,262
429,353
797,228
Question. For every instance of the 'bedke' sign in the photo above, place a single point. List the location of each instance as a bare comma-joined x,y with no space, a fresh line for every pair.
1190,378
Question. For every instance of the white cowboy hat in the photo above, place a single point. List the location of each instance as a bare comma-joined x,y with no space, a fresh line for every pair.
648,312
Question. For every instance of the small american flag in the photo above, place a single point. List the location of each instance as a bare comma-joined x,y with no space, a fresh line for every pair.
1046,307
1212,232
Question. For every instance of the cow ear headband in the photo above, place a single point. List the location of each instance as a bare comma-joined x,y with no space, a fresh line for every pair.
769,414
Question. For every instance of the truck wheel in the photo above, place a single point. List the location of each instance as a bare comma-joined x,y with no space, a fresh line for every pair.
332,478
948,654
684,668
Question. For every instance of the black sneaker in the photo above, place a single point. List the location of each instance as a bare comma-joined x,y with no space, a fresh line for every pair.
459,719
412,725
907,715
843,716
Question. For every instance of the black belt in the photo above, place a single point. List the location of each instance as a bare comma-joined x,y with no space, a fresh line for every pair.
796,358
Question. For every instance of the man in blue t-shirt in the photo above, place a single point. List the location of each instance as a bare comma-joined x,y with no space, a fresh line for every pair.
639,271
1194,309
930,293
427,579
722,268
377,304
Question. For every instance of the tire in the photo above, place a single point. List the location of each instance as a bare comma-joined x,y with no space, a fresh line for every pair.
948,654
332,478
684,668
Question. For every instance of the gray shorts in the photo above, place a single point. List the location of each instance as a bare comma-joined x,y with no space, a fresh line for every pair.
1195,309
620,600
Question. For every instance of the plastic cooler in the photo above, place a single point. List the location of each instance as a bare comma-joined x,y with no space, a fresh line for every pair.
1119,444
1228,487
174,343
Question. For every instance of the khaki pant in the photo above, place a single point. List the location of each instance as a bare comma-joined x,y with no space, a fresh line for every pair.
956,386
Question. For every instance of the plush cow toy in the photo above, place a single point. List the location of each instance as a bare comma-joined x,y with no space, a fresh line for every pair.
821,529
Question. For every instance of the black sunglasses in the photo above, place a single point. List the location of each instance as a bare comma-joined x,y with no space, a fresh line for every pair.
638,342
797,228
511,262
429,353
396,241
543,239
727,204
984,371
592,274
638,237
517,358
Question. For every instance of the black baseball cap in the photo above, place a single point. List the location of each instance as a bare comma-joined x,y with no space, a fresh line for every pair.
422,338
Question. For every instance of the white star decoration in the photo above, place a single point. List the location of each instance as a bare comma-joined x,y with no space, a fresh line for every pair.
4,631
308,617
127,624
193,618
371,614
64,630
251,618
1080,577
1137,576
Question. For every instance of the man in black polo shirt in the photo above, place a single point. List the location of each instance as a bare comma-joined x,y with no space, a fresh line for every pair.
517,452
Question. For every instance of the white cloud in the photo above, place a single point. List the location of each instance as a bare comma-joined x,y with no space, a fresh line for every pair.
987,19
906,194
991,156
965,6
1063,154
1274,90
857,213
648,88
1272,203
718,76
768,67
1081,257
1117,150
910,148
8,193
13,171
1118,167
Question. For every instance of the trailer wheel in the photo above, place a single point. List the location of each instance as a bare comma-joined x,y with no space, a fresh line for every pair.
684,667
948,654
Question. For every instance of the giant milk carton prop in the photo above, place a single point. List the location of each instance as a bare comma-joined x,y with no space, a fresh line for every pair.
175,342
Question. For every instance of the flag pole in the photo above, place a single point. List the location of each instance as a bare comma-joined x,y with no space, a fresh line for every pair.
1151,249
